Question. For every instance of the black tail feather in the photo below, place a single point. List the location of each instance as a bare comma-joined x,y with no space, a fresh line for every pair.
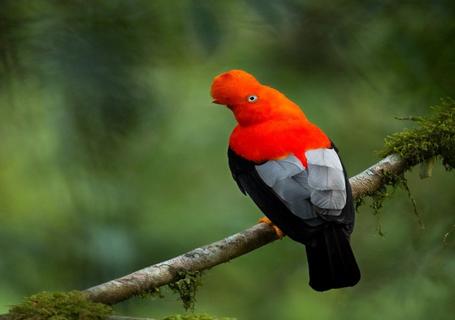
331,261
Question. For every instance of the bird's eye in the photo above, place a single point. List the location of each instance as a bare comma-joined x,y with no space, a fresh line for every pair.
252,98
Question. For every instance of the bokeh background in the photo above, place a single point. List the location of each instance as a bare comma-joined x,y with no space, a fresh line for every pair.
112,156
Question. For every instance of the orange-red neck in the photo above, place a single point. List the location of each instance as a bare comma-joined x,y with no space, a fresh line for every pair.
276,139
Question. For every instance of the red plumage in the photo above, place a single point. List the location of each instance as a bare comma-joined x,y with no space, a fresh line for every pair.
311,204
269,128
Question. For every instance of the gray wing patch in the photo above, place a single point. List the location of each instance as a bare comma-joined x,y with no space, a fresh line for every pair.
310,193
329,199
276,170
326,179
289,179
324,157
325,170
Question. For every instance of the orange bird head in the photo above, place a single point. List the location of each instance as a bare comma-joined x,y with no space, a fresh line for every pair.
250,101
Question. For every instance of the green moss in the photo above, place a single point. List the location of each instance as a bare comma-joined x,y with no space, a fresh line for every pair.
378,197
433,137
377,200
152,293
186,287
390,183
195,317
59,306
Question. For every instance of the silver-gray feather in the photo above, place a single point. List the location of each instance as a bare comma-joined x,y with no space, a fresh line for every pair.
276,170
310,193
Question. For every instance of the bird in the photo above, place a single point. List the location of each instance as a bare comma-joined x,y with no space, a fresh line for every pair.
293,173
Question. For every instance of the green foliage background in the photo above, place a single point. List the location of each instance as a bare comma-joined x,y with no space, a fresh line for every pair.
113,158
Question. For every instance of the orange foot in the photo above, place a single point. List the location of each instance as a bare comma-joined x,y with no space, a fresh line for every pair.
278,232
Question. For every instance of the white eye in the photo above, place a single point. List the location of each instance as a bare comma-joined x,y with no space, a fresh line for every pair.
252,98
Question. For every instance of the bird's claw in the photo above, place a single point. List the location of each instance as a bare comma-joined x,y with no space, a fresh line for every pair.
280,234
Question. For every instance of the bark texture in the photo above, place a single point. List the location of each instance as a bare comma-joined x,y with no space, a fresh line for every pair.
371,179
224,250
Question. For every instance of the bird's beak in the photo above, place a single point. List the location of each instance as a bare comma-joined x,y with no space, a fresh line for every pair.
216,101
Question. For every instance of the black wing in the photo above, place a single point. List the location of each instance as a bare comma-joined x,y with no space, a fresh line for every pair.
250,182
331,261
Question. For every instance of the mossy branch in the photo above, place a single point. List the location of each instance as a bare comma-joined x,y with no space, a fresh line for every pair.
434,137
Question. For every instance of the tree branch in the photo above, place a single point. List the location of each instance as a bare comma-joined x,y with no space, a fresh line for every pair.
371,179
224,250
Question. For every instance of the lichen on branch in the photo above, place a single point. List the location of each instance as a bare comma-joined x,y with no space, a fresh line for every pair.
186,287
433,137
73,305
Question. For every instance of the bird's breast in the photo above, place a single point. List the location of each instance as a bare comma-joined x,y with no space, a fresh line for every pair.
275,140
